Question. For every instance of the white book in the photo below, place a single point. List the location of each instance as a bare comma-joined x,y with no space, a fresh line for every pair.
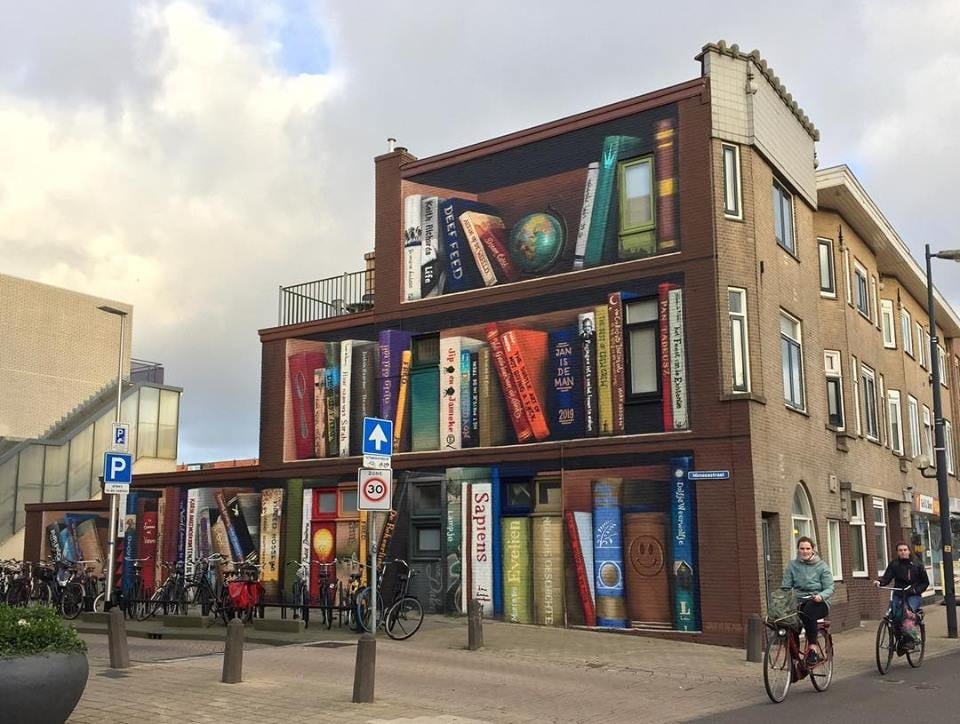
584,523
487,273
412,246
480,522
678,361
451,429
430,251
305,523
586,214
190,545
346,364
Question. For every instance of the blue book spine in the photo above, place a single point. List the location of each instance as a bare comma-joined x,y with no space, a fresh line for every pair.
461,269
466,402
67,543
608,554
130,541
497,544
683,546
475,398
182,527
565,401
392,343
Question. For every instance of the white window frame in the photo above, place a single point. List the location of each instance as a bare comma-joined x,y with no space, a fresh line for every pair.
826,266
862,295
883,552
906,331
855,376
801,404
895,421
928,437
846,275
857,521
941,365
948,445
801,523
833,369
913,415
874,301
869,379
782,197
882,412
834,549
886,324
739,341
923,344
732,198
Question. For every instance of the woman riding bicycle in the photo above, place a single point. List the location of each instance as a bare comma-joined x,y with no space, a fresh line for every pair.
905,572
811,580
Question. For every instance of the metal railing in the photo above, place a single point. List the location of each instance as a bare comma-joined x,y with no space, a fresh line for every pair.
145,371
349,293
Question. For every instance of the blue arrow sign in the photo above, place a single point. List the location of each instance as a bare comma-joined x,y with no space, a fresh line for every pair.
708,475
377,436
117,467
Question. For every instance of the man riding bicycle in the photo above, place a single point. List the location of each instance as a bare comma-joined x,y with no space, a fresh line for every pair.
811,579
905,572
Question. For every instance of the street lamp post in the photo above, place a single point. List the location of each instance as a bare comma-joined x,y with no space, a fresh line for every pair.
940,453
111,547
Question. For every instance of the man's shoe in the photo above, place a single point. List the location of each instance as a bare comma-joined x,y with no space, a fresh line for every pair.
812,658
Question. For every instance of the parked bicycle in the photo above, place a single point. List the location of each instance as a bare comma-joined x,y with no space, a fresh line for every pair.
244,592
784,661
329,588
892,639
77,586
402,617
169,596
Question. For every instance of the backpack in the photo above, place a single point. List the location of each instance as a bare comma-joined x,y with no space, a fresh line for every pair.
782,608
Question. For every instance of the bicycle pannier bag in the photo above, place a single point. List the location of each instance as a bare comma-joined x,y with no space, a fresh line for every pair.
909,625
782,608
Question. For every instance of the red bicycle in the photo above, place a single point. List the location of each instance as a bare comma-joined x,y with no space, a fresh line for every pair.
784,662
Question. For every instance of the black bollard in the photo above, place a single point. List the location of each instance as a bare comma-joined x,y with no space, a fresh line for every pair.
233,653
755,638
117,639
474,625
366,669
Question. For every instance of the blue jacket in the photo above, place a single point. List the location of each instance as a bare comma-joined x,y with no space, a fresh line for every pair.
808,578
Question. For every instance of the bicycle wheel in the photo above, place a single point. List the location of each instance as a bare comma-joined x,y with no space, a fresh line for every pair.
915,657
326,603
886,643
157,600
821,674
364,613
71,601
197,595
99,602
777,667
404,618
42,595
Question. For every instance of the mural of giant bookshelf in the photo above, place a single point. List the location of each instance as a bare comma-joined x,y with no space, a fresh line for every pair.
569,374
548,207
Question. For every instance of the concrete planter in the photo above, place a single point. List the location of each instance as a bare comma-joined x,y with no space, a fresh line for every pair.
41,689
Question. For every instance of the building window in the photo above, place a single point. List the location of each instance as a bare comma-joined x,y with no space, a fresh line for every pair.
882,412
880,532
791,346
739,341
637,205
642,332
828,285
906,331
913,415
834,558
895,419
928,437
948,444
783,218
941,365
869,382
731,181
833,365
855,376
802,516
886,323
861,292
846,275
923,344
858,538
875,301
427,540
348,501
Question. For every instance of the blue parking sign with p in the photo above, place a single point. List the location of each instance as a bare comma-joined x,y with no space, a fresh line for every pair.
117,467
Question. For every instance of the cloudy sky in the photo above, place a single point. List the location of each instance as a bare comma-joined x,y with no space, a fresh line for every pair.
189,157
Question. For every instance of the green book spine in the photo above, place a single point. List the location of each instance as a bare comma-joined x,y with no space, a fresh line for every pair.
614,148
291,532
425,408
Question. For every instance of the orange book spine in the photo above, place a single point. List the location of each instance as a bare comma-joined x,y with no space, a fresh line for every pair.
402,393
518,417
529,399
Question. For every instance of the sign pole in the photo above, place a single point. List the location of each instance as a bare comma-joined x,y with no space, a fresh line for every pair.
372,527
112,547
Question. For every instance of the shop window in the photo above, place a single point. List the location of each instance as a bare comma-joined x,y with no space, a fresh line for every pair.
783,218
858,538
739,339
828,286
642,332
906,331
834,557
792,351
731,181
802,516
886,324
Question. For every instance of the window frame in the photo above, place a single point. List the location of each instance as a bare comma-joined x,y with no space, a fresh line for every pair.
923,344
846,276
830,290
941,365
806,516
896,439
628,329
743,344
736,212
879,504
887,325
783,218
858,521
799,377
948,447
862,288
855,381
868,378
906,331
928,439
646,227
913,416
835,548
833,371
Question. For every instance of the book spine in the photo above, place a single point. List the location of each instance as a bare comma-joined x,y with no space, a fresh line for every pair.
493,236
430,251
403,392
604,393
580,569
606,181
181,528
665,165
588,352
367,388
333,410
490,401
521,425
449,411
586,214
678,361
305,518
566,398
386,383
271,516
683,545
203,533
412,246
517,581
190,551
663,321
424,407
618,392
459,276
479,252
647,584
454,544
529,399
301,367
466,402
149,547
548,570
238,520
235,548
220,541
320,412
608,554
475,398
481,553
346,379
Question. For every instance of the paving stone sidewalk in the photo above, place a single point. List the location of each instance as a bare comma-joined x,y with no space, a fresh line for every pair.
524,674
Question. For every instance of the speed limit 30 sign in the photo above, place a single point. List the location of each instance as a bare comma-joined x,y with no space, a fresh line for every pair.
375,489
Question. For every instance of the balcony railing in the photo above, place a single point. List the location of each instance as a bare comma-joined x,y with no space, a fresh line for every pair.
348,293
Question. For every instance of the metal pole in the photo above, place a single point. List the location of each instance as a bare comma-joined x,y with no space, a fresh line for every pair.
373,573
940,458
112,545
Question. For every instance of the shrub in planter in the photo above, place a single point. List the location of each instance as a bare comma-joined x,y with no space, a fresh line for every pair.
43,665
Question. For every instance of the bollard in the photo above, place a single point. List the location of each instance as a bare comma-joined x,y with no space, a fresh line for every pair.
365,671
117,639
474,625
755,639
233,653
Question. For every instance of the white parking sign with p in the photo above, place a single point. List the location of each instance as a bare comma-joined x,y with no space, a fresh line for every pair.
375,488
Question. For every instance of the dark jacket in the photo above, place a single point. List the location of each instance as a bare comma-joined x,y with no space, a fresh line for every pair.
906,573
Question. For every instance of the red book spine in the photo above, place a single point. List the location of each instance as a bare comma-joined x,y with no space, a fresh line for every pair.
615,316
580,569
529,399
518,417
663,317
664,162
494,240
148,547
302,366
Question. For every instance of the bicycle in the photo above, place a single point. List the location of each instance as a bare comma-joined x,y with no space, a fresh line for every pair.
243,592
784,663
75,584
200,591
169,596
403,617
890,641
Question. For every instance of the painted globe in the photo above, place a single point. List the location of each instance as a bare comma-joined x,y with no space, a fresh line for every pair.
536,242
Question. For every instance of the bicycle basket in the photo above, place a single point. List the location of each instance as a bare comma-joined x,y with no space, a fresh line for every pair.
782,609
